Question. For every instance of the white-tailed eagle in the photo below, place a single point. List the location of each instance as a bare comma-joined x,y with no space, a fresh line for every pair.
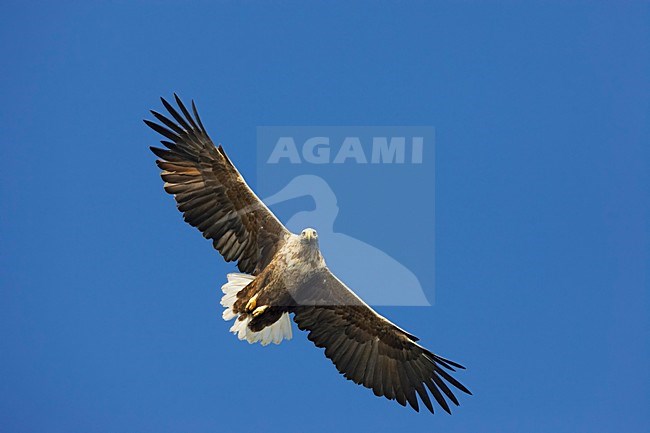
284,273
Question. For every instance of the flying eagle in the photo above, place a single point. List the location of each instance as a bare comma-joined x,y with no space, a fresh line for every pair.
284,273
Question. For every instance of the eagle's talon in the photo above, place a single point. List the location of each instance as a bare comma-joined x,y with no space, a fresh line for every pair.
260,310
252,303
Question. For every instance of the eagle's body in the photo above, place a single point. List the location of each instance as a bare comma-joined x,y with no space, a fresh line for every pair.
285,274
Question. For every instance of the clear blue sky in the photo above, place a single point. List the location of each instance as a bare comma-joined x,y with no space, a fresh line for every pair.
109,316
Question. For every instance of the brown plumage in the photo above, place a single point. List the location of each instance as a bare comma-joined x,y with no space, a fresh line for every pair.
288,274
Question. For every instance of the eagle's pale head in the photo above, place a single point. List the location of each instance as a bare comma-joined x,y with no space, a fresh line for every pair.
309,236
309,249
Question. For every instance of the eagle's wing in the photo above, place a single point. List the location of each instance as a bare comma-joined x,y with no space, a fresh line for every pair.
367,348
212,194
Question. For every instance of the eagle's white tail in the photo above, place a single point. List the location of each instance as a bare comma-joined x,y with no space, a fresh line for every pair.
275,333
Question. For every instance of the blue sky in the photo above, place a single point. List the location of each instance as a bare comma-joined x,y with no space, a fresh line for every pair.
109,316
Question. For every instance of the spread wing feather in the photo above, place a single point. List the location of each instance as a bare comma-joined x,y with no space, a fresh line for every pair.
211,193
368,349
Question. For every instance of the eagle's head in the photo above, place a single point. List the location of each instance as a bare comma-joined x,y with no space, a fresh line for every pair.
309,236
309,250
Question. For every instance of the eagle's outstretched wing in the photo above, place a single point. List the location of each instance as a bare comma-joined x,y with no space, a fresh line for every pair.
367,348
212,194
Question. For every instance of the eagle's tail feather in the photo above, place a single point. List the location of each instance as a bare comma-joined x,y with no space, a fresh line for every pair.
274,333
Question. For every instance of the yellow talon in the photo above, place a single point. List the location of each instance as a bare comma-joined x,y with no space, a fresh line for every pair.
260,310
252,303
